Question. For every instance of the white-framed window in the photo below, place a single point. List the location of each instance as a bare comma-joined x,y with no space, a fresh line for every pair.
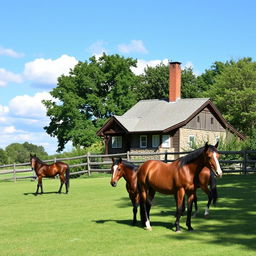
191,140
117,142
155,141
143,141
166,142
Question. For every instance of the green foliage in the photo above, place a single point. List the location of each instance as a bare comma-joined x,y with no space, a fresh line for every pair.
92,92
250,143
234,93
3,157
19,153
154,83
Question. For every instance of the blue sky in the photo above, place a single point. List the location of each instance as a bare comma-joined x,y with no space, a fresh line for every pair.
40,40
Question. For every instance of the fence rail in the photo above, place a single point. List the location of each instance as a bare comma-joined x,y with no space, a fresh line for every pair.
231,162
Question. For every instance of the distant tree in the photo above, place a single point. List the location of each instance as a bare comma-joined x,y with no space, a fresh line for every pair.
155,83
234,93
190,87
3,157
19,153
92,92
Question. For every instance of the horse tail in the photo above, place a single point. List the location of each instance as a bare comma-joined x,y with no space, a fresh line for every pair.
213,187
67,176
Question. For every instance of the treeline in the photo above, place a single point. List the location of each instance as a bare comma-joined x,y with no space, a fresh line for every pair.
101,87
20,152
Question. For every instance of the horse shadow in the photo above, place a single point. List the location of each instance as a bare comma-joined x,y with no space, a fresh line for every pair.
40,194
167,225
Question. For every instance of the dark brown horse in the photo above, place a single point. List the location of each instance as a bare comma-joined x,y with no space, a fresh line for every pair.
50,170
176,178
205,179
121,168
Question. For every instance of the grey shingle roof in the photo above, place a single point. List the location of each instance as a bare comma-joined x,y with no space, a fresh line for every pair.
158,115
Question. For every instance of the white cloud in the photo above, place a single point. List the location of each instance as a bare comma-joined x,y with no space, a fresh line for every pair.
10,53
46,71
133,46
142,64
6,77
9,129
29,106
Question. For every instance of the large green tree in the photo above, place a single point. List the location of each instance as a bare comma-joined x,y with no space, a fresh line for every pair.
234,93
93,91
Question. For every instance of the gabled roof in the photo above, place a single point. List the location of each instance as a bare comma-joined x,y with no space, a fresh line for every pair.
163,116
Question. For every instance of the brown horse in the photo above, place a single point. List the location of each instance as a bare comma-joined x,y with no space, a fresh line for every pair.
121,168
49,170
176,178
207,178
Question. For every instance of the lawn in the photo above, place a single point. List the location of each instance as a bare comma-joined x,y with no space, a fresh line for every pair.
95,219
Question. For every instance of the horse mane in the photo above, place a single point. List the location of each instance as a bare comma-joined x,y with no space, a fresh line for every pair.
192,156
128,164
39,160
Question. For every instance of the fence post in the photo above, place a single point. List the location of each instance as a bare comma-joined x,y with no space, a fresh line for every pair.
128,155
165,156
245,162
14,172
88,164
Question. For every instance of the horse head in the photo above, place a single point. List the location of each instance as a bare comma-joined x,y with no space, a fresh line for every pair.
33,161
212,159
117,171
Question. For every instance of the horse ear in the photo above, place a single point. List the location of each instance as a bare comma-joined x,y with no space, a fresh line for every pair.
113,160
206,146
217,144
120,160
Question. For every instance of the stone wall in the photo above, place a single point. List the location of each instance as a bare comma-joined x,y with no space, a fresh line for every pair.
201,137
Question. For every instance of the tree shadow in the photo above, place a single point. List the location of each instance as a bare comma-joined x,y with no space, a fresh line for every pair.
235,213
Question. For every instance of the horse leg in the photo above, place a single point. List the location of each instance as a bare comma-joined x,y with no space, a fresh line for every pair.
189,210
143,209
209,194
39,185
196,207
179,205
62,181
150,198
135,202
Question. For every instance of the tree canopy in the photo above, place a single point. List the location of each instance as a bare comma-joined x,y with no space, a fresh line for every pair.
92,92
234,93
19,153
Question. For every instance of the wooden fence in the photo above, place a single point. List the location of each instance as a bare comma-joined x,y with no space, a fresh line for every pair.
231,162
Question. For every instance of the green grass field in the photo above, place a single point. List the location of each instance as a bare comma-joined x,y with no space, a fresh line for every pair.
95,219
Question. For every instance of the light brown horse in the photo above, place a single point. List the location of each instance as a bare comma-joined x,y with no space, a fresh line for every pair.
50,170
177,178
121,168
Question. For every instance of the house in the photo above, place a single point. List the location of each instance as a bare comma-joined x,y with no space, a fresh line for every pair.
159,125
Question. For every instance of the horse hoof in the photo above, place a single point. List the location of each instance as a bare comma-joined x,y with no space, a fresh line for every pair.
148,228
178,231
206,216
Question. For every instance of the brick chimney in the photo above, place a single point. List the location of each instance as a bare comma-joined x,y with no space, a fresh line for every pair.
174,81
